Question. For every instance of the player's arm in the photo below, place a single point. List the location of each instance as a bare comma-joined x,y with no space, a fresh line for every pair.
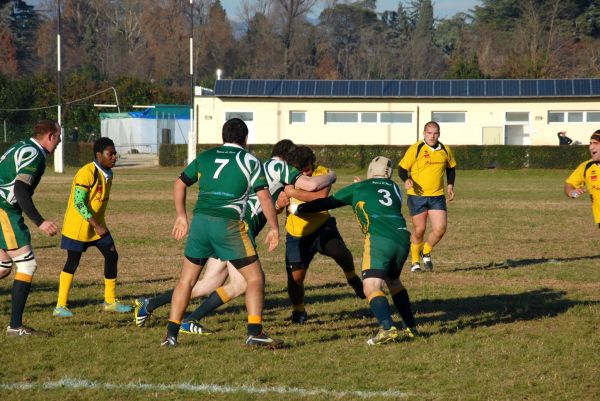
575,183
306,196
80,202
316,182
23,193
266,203
450,178
317,205
572,191
403,174
180,228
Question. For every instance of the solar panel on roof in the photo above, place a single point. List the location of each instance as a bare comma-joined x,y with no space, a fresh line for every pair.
239,87
323,88
528,87
390,88
595,86
339,88
289,88
306,88
493,87
357,88
273,88
424,88
476,87
510,87
582,87
564,87
256,88
546,87
408,88
458,88
441,88
374,88
223,87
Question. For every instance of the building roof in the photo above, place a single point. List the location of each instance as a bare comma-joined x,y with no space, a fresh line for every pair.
467,88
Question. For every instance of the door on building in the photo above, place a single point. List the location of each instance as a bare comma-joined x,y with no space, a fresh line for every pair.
492,135
517,128
248,118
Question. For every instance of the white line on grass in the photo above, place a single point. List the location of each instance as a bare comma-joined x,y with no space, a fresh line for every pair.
77,384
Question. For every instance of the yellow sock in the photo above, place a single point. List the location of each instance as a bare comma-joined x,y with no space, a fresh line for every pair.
64,286
299,308
253,319
427,249
110,290
415,250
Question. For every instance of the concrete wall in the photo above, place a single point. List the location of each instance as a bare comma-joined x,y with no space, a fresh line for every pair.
485,120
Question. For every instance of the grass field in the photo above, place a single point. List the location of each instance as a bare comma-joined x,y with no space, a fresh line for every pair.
512,311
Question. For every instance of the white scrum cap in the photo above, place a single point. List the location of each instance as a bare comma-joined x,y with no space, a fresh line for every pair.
380,167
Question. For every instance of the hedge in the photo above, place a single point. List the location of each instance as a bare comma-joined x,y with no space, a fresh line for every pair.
468,157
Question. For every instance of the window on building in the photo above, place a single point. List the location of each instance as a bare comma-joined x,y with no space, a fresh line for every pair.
396,118
340,117
517,117
297,117
574,116
556,117
368,117
242,115
449,116
593,116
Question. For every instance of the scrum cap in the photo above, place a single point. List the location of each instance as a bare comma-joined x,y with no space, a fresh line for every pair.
380,167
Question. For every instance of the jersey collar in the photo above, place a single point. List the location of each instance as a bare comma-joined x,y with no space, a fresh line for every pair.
438,147
235,145
106,173
44,151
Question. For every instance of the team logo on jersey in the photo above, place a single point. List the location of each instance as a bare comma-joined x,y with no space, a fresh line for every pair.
594,177
426,154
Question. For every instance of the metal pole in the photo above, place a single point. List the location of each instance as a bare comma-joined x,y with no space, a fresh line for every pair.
4,130
58,153
191,153
116,98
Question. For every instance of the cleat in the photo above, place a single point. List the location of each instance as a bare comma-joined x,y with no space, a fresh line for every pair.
62,311
299,317
193,327
264,340
427,261
416,268
411,332
24,331
169,341
140,312
117,307
357,286
384,336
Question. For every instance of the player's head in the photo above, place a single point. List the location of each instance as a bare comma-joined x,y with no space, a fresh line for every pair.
380,167
595,146
105,153
303,158
235,131
283,149
431,133
47,133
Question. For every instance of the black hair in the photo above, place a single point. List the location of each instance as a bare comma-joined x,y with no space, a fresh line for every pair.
235,131
302,157
101,144
283,149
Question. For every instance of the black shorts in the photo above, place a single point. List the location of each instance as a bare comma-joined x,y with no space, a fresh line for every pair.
300,251
69,244
420,204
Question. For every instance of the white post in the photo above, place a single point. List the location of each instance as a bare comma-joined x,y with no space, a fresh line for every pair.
191,150
58,153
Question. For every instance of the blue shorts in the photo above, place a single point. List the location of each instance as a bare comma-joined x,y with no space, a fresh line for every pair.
300,251
80,246
420,204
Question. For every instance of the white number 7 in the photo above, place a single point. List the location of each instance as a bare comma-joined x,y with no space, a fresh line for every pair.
223,163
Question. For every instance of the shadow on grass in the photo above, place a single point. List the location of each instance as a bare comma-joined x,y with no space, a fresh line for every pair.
511,263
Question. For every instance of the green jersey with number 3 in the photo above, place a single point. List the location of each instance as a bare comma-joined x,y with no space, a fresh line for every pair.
226,175
377,204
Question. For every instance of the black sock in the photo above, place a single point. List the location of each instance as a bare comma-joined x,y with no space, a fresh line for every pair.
295,291
159,300
210,304
402,303
173,329
20,292
254,329
381,309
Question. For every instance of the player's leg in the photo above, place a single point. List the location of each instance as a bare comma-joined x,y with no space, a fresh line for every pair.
418,211
5,264
107,247
332,245
65,282
402,302
373,287
438,218
299,252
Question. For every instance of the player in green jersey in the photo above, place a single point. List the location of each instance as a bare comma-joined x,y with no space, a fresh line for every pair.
377,203
21,169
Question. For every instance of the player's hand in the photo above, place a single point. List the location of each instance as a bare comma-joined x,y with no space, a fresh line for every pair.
283,200
49,228
577,192
100,230
288,190
357,179
408,184
332,176
272,239
180,228
450,193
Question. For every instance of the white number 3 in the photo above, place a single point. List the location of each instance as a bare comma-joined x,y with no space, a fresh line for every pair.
387,198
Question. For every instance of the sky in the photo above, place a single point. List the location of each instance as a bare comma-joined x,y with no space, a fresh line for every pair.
441,8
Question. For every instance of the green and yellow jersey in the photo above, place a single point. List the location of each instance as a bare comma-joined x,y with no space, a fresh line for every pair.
226,175
427,166
308,223
588,174
26,160
95,183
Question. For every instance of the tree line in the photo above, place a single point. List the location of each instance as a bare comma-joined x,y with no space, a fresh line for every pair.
141,48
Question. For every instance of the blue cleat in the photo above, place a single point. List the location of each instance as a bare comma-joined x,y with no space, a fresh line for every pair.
193,327
117,307
263,340
141,312
62,311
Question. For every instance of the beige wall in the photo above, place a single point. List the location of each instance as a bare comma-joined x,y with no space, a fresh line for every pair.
271,120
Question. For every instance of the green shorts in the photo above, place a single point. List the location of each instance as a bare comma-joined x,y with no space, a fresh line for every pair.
383,258
14,233
217,237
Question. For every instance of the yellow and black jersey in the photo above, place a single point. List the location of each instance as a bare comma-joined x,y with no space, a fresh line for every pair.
427,166
97,183
306,224
588,174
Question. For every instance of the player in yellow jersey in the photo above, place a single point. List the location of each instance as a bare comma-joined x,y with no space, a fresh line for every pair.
587,175
84,226
309,234
422,169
